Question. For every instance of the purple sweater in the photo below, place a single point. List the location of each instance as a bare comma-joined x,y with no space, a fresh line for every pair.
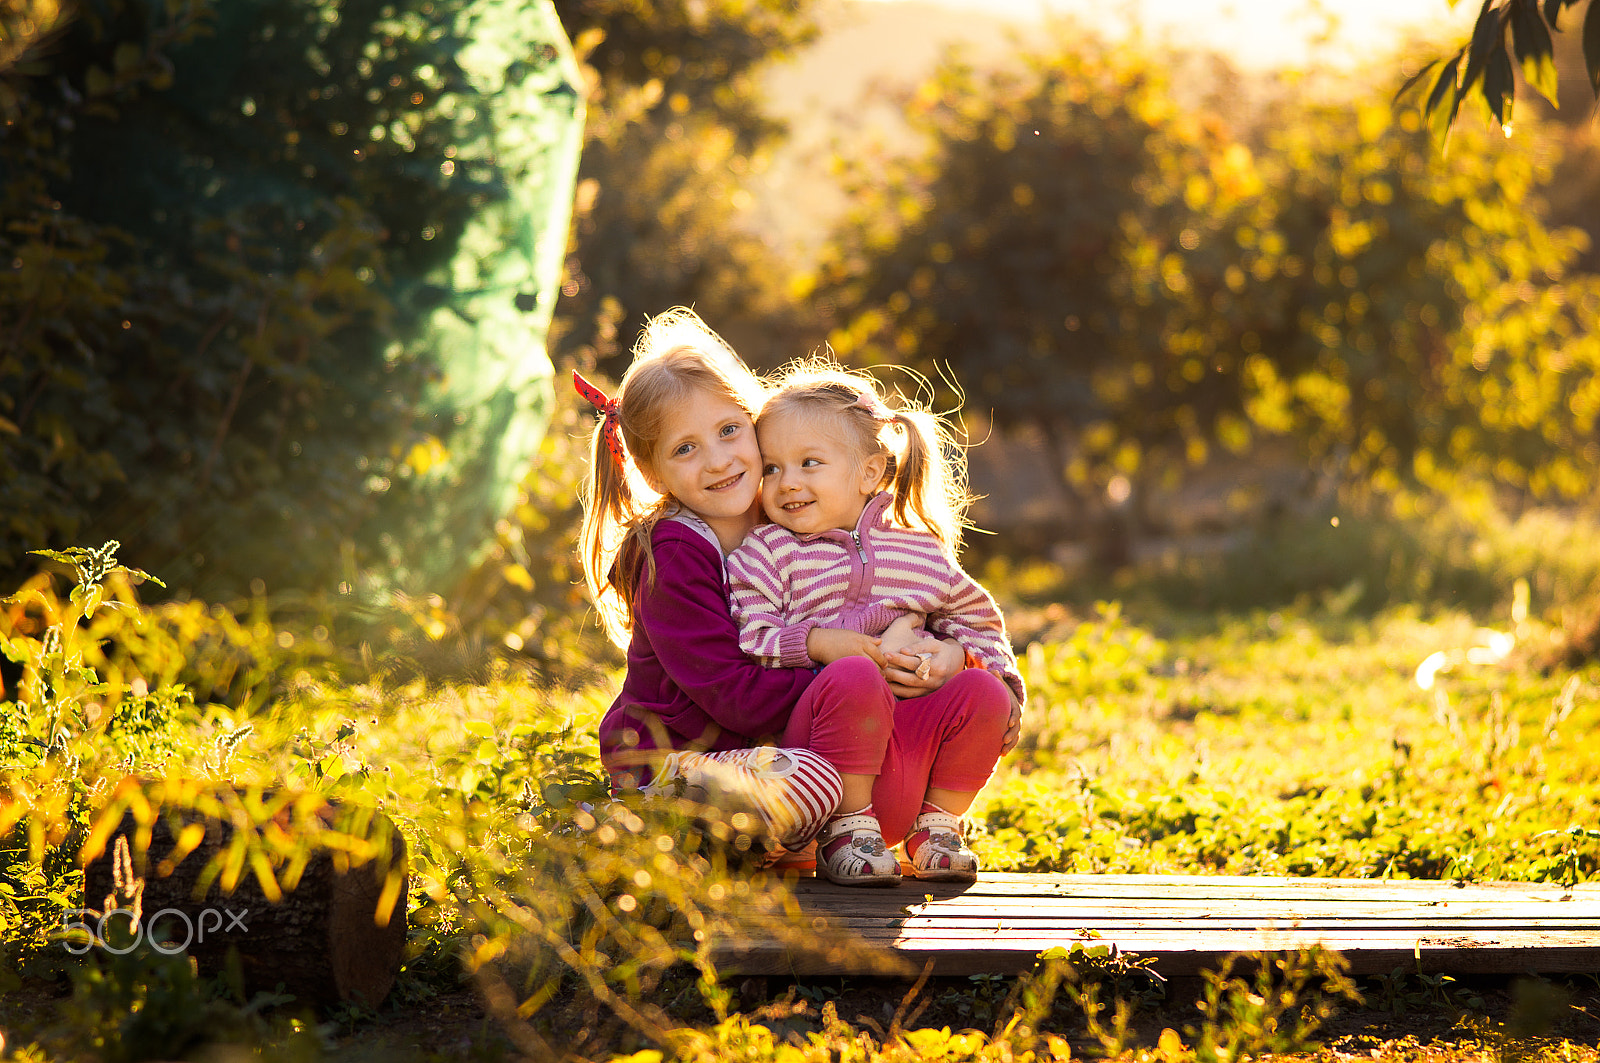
688,684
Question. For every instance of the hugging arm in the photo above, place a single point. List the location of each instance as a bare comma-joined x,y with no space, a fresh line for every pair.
972,618
756,595
757,592
685,614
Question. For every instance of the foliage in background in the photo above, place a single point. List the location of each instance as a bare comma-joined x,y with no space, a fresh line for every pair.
677,128
288,263
1144,285
1433,329
23,23
1004,252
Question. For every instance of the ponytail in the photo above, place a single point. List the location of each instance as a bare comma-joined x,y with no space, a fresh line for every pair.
609,512
929,481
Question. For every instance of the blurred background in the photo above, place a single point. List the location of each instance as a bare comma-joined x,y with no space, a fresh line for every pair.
1225,325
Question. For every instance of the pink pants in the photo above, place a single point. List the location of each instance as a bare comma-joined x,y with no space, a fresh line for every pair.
950,738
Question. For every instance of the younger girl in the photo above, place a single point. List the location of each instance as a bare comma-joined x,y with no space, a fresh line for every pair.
863,536
674,486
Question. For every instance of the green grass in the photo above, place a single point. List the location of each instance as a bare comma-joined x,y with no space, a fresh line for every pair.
1295,744
1291,740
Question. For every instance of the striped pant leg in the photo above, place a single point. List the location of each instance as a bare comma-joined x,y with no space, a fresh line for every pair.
793,790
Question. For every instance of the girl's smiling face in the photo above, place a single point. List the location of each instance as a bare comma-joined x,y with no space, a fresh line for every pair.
707,459
813,480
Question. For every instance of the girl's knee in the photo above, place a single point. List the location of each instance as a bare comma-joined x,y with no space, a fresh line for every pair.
853,685
801,802
983,691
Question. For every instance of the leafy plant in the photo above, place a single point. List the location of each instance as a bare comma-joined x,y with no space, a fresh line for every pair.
144,1005
1273,1009
1483,69
1157,287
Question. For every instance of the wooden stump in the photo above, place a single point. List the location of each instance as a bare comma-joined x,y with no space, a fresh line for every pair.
324,942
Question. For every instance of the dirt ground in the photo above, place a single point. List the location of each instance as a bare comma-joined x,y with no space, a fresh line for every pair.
1483,1018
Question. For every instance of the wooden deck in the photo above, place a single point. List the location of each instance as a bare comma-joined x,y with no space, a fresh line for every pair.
1187,923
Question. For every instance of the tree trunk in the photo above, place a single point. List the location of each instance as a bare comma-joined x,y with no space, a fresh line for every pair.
325,942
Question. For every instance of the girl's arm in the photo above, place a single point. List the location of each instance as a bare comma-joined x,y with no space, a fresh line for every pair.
758,597
685,617
757,593
971,617
829,644
1013,727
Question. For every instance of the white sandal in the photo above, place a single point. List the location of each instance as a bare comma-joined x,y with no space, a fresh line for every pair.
851,852
938,851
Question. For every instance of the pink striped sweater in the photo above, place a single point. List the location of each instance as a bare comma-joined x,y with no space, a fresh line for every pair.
781,585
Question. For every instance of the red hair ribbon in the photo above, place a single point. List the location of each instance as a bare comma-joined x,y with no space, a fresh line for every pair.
608,409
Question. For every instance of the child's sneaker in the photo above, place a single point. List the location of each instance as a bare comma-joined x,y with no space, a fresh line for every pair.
937,849
851,852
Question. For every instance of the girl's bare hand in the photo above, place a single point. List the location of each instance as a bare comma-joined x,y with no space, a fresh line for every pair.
828,644
911,675
1014,729
899,636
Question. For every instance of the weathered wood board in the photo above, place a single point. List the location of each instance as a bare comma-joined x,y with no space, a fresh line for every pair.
1189,923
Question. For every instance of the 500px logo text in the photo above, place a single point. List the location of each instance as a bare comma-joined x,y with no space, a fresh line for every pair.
72,919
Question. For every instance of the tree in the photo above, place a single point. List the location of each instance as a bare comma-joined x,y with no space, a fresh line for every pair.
1013,253
247,244
676,128
1408,317
1143,286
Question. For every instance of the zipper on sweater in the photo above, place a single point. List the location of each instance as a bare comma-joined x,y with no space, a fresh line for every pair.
855,536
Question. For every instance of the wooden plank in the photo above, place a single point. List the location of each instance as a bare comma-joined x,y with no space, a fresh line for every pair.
1119,887
1168,938
1233,885
940,921
981,908
1189,923
1185,958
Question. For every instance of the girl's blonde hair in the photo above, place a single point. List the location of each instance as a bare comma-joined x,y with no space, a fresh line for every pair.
925,468
677,355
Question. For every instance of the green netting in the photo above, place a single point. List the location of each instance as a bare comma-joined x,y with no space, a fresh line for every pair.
491,401
422,149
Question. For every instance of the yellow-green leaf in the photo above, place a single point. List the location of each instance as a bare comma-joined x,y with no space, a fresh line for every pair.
127,56
97,82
